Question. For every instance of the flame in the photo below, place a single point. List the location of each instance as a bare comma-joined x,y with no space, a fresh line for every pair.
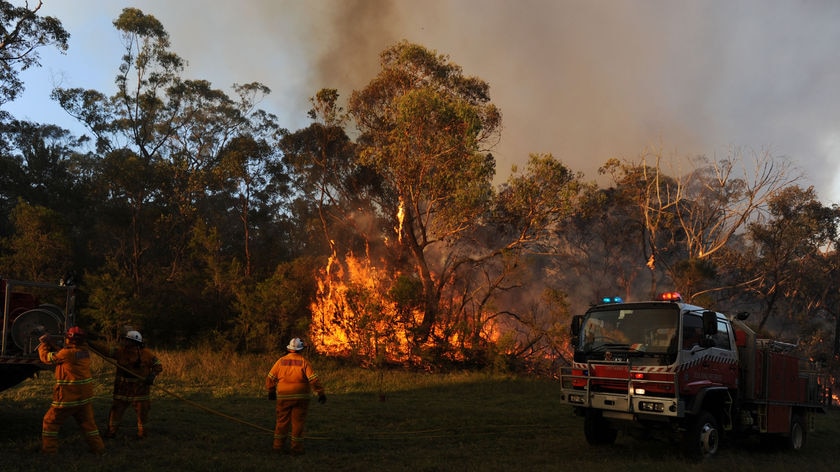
400,218
354,317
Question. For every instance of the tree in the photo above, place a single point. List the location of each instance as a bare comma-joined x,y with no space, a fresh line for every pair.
718,203
794,250
693,217
344,197
424,126
178,157
40,247
22,32
655,196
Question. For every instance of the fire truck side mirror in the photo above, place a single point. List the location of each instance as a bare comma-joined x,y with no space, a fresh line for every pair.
577,322
710,323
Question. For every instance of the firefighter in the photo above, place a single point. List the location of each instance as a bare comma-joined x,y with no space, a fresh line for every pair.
73,391
137,368
290,383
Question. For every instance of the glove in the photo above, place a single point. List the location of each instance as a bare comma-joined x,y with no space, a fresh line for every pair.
150,379
272,394
46,339
322,398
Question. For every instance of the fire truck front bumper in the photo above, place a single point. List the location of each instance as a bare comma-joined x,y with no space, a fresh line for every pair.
618,403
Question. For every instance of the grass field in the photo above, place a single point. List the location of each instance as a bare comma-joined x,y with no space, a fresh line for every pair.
425,422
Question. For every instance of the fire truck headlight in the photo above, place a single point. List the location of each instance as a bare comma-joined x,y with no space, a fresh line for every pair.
655,407
640,391
576,398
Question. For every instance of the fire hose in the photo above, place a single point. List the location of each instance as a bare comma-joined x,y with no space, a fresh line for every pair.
179,397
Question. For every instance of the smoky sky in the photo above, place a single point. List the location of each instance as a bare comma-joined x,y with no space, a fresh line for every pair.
583,80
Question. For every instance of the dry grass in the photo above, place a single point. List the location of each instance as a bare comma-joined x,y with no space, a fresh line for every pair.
426,422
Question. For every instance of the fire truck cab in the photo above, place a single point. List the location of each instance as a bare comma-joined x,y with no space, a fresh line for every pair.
676,369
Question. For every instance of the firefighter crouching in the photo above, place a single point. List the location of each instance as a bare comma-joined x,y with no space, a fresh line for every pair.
73,391
137,368
290,382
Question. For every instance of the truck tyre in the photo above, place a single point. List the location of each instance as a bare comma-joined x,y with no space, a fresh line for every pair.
796,438
702,438
597,430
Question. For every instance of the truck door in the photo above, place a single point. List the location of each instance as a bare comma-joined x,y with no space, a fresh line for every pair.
706,360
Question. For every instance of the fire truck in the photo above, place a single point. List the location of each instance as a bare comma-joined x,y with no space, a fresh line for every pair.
30,310
671,369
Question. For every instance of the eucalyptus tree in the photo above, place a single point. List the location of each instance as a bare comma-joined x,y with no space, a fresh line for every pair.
651,197
691,218
425,129
22,33
338,199
42,166
795,248
131,129
529,240
178,158
39,247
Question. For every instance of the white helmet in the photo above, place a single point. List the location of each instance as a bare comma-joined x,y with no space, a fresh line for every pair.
134,336
295,345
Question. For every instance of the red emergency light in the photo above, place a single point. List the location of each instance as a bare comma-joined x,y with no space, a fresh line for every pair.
670,297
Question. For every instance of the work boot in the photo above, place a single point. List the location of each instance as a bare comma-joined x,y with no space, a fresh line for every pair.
296,449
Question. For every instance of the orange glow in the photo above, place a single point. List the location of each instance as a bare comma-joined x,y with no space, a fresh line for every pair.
400,218
353,316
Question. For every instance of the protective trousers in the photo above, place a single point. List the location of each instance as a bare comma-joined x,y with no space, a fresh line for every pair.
291,413
141,408
56,416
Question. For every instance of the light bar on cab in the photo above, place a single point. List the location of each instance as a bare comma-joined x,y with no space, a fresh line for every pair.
611,300
670,297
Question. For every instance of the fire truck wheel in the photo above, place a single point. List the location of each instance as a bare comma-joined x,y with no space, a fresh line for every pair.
702,439
597,430
796,439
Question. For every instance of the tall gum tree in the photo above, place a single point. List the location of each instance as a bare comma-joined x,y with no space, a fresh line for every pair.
177,133
690,219
425,128
22,32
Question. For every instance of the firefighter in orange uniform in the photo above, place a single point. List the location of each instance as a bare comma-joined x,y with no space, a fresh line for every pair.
73,391
290,382
137,368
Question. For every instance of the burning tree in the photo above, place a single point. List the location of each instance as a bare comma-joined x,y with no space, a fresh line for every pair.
423,128
420,243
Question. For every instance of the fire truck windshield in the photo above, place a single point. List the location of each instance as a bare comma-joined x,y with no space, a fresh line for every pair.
641,330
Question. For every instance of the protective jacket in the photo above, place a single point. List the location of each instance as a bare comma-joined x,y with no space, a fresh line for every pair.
73,380
293,377
137,360
72,396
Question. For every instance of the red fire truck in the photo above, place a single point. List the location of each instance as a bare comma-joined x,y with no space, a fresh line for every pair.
683,371
30,309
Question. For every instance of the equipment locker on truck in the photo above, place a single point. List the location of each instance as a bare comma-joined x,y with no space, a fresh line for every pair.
674,369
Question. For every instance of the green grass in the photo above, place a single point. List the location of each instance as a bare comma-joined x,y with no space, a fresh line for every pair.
426,422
